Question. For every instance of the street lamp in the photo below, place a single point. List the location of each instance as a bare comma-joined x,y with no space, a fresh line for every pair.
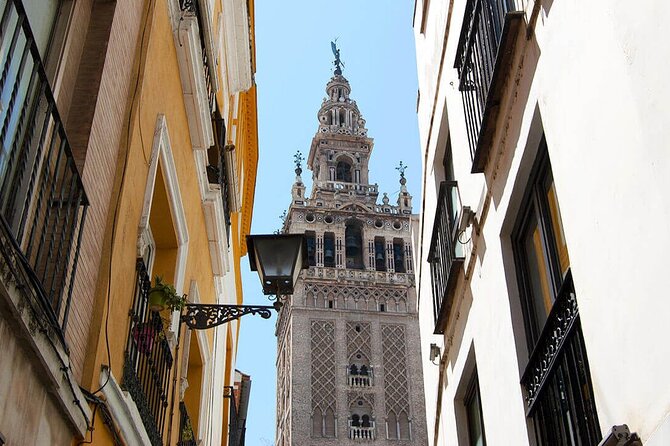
278,258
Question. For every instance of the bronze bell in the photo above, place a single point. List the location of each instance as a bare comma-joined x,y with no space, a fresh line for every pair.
352,244
328,255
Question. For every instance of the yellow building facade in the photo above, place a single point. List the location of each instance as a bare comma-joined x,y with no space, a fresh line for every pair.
155,106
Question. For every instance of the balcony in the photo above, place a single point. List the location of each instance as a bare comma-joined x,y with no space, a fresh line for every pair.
446,255
217,169
483,57
42,199
363,377
354,188
362,432
148,360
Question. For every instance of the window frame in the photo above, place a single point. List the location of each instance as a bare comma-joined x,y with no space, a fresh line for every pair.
534,205
474,390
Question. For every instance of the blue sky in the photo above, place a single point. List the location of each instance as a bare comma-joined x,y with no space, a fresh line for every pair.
294,63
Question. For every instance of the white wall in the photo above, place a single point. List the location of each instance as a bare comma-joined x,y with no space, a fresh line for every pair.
594,77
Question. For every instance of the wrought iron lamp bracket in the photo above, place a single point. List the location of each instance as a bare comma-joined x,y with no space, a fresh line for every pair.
205,316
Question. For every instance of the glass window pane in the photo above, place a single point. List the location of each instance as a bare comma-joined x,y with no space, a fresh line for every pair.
475,422
41,16
538,272
557,226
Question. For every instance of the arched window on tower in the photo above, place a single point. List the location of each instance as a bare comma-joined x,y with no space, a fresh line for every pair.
399,255
380,254
310,237
353,238
403,426
329,423
329,249
392,426
343,172
317,423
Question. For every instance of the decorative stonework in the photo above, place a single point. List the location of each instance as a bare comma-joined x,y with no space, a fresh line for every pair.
396,390
358,340
356,298
323,365
375,277
353,397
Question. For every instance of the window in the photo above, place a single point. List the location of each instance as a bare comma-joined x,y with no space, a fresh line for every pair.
310,237
399,255
329,249
380,254
559,397
353,241
343,172
473,410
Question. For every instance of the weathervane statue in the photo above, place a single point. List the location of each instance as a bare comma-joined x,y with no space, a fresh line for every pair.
338,63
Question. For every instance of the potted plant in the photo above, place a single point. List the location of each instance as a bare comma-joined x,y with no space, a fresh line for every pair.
163,295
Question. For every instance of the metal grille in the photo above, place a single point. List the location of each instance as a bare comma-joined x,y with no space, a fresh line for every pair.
42,199
557,379
148,360
443,256
476,58
217,170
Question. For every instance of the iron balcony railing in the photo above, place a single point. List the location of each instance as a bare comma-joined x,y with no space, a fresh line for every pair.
148,360
192,7
42,199
476,57
186,434
559,393
217,170
446,253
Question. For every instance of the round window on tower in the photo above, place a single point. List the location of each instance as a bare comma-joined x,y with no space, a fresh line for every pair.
397,225
309,218
379,224
328,219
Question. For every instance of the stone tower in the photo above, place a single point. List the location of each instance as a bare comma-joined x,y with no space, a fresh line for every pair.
348,365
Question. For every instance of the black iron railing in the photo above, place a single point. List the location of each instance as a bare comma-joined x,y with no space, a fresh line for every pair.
42,199
476,59
217,170
186,434
192,7
148,360
446,254
559,393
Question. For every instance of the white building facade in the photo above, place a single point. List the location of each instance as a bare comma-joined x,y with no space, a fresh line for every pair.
539,272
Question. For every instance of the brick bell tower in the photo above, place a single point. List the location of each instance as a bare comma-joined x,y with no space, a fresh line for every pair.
348,365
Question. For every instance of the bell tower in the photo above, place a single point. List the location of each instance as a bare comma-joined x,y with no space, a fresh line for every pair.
348,365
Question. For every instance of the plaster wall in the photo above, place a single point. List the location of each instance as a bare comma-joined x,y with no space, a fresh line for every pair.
589,78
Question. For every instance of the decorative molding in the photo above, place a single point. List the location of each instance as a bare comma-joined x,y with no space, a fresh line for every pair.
237,45
162,151
124,411
350,275
194,86
215,225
